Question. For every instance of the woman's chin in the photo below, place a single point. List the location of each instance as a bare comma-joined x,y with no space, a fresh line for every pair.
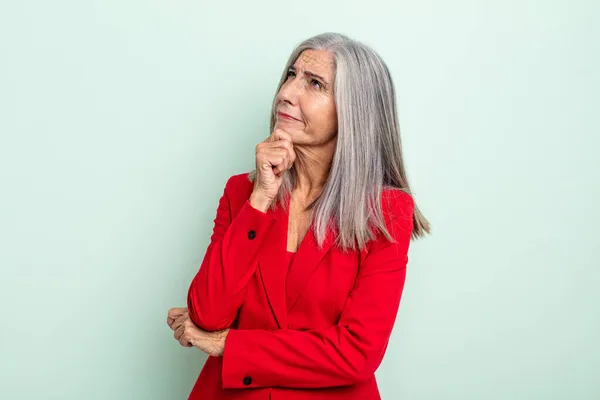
294,133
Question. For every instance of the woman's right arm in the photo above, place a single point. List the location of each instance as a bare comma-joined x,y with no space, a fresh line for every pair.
219,287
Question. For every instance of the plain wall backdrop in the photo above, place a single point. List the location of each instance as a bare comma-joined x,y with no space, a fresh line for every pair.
120,122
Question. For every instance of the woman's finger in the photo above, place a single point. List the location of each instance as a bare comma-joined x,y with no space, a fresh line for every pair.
176,312
280,134
177,324
185,343
288,147
178,332
279,158
179,321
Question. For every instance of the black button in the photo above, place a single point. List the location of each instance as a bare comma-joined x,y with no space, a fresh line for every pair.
247,380
251,235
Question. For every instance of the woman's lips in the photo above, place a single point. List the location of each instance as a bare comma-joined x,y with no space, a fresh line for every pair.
285,116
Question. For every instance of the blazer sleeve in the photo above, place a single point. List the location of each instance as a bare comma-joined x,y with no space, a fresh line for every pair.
346,353
219,287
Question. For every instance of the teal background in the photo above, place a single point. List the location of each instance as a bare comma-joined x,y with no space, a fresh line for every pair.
120,122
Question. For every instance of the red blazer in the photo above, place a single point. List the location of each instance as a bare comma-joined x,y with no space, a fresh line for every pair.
318,331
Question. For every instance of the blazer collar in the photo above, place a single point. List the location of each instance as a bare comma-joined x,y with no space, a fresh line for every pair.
282,287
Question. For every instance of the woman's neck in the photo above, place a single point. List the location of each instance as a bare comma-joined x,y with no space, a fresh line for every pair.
312,167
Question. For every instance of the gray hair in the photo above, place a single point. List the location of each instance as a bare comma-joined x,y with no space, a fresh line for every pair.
368,155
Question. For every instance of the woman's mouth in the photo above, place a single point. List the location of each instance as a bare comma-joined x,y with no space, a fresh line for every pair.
285,116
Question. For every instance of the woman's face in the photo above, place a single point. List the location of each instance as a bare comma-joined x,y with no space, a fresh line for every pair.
307,96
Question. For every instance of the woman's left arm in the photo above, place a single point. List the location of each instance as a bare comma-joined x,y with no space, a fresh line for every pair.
344,354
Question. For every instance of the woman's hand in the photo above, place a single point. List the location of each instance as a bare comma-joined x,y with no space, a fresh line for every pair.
273,157
188,334
172,316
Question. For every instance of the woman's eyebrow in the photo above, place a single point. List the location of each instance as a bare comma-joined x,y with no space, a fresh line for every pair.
309,73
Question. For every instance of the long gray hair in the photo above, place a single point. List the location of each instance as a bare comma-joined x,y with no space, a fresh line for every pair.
368,154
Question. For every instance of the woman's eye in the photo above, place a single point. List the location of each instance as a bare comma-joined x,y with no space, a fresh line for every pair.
312,82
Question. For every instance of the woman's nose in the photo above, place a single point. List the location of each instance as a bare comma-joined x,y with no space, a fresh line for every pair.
290,91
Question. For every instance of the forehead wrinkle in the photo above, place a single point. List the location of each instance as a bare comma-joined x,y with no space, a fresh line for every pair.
311,60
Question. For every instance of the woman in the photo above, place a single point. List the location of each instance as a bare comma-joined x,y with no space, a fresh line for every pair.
300,286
